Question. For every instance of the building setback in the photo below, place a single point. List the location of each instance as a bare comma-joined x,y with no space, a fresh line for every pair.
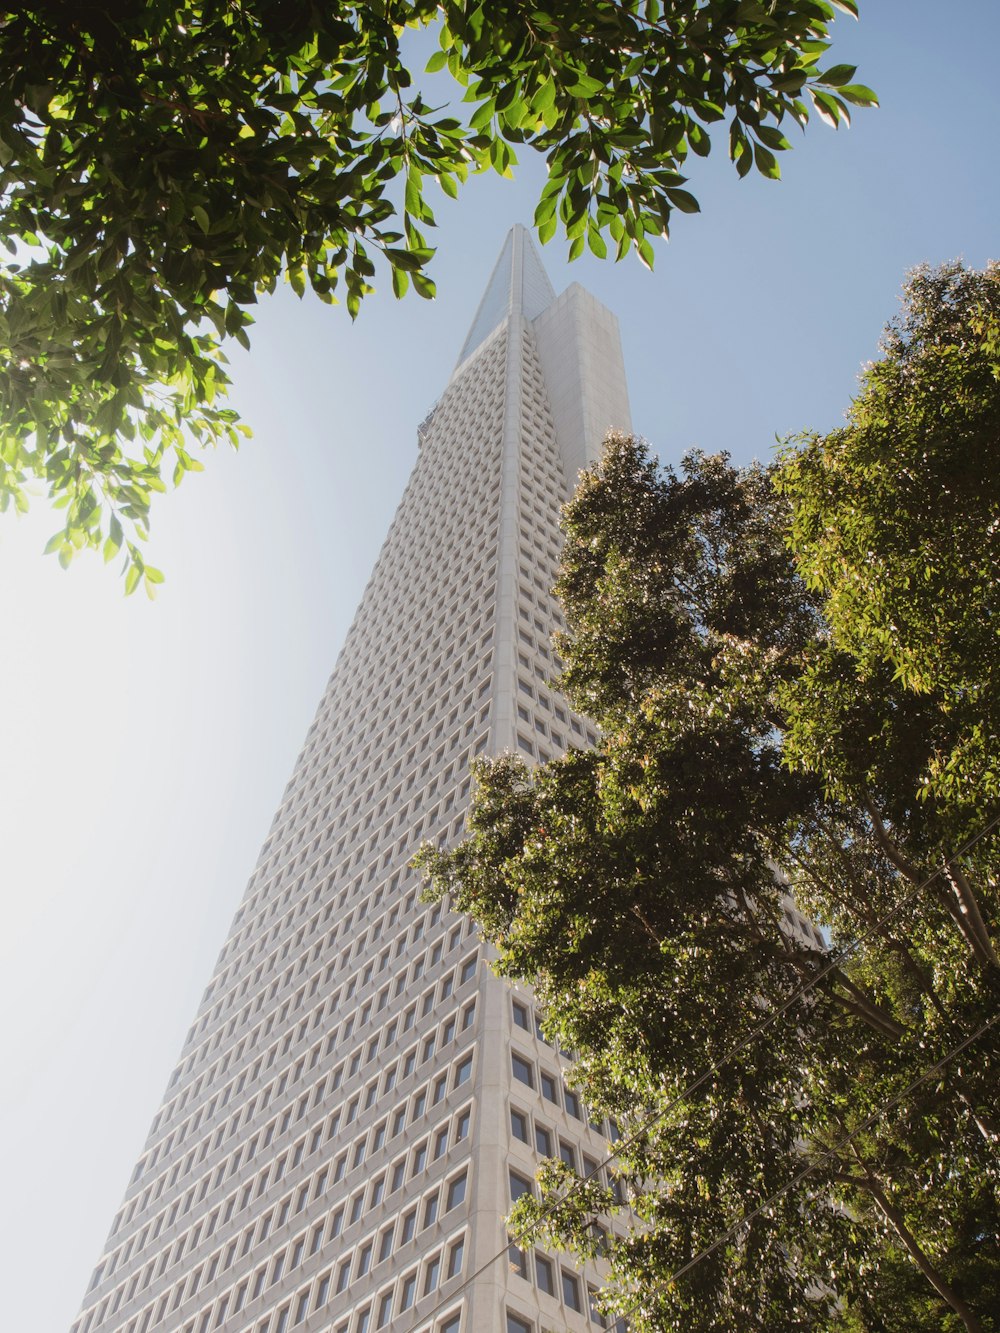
359,1098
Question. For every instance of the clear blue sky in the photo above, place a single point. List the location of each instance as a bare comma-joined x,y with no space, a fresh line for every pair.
145,746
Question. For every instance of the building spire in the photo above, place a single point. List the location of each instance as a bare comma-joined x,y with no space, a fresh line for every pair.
519,284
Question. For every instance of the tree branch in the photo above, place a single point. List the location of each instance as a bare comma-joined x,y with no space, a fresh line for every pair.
968,905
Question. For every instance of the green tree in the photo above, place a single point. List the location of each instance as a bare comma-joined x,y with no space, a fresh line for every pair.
162,165
744,728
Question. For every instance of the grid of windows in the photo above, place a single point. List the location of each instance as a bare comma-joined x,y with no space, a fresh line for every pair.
312,1166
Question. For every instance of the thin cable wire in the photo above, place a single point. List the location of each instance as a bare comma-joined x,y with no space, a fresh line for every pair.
741,1046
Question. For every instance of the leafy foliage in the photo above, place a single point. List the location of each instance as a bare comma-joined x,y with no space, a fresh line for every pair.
810,1137
895,522
160,166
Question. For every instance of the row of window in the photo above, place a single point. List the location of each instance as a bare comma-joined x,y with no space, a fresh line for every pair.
255,1108
363,1056
409,1166
275,857
550,1085
254,1039
535,1134
547,1274
366,1146
321,949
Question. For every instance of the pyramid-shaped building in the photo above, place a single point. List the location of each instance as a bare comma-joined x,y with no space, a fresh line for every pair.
359,1097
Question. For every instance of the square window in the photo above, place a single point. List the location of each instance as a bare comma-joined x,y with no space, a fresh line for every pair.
522,1070
430,1211
515,1324
518,1261
521,1016
453,1324
456,1192
595,1313
573,1104
519,1125
384,1309
543,1141
571,1290
385,1245
432,1273
463,1071
549,1090
545,1274
408,1291
409,1227
455,1256
518,1186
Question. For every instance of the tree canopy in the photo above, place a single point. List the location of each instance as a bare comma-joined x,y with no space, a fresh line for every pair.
810,1138
162,165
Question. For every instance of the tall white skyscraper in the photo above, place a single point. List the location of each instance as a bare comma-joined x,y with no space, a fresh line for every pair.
359,1098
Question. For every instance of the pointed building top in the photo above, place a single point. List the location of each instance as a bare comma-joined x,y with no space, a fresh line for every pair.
519,283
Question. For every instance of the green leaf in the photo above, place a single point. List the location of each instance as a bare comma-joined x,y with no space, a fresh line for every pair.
858,94
683,200
597,243
264,156
767,163
424,286
838,74
773,137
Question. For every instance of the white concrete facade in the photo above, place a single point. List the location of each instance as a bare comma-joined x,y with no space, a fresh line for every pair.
359,1097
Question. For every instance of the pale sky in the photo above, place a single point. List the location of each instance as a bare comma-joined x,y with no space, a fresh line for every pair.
145,746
